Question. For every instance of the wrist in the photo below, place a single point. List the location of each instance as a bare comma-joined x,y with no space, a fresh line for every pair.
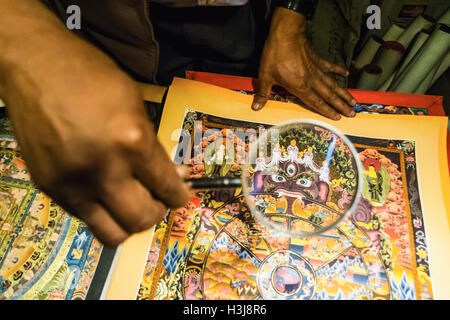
304,7
288,24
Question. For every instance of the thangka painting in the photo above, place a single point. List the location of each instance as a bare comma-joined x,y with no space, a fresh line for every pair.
389,109
45,254
281,95
214,249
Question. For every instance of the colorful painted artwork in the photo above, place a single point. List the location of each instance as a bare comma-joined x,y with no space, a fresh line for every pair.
282,95
388,109
214,249
304,181
45,253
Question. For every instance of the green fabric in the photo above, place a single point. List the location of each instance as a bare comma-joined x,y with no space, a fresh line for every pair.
335,30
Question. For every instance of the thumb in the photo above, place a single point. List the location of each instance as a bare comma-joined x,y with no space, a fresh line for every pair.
261,95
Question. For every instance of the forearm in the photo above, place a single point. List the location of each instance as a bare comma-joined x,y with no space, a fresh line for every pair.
34,43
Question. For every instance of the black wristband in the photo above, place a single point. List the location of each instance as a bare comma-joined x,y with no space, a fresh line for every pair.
305,7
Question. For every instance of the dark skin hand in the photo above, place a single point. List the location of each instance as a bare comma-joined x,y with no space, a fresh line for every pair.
82,127
288,61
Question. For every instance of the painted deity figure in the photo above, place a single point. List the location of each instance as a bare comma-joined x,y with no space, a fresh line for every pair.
292,151
293,181
308,160
277,156
324,173
218,157
260,163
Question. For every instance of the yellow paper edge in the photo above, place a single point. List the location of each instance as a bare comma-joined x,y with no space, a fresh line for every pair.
187,94
150,92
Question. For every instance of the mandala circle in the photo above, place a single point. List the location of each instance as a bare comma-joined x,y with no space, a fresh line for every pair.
285,275
286,280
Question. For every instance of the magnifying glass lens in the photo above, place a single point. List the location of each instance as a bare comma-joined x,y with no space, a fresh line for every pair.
301,178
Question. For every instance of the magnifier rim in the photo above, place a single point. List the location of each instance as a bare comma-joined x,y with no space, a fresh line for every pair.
302,234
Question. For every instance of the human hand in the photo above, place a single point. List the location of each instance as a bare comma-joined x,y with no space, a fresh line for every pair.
289,61
84,134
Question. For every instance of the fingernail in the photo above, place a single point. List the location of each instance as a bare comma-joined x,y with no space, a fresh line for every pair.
337,117
354,102
352,113
257,106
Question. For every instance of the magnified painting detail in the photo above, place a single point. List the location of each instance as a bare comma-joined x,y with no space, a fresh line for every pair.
44,252
304,182
214,249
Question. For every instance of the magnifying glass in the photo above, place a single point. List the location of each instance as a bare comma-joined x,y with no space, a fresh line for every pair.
300,178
